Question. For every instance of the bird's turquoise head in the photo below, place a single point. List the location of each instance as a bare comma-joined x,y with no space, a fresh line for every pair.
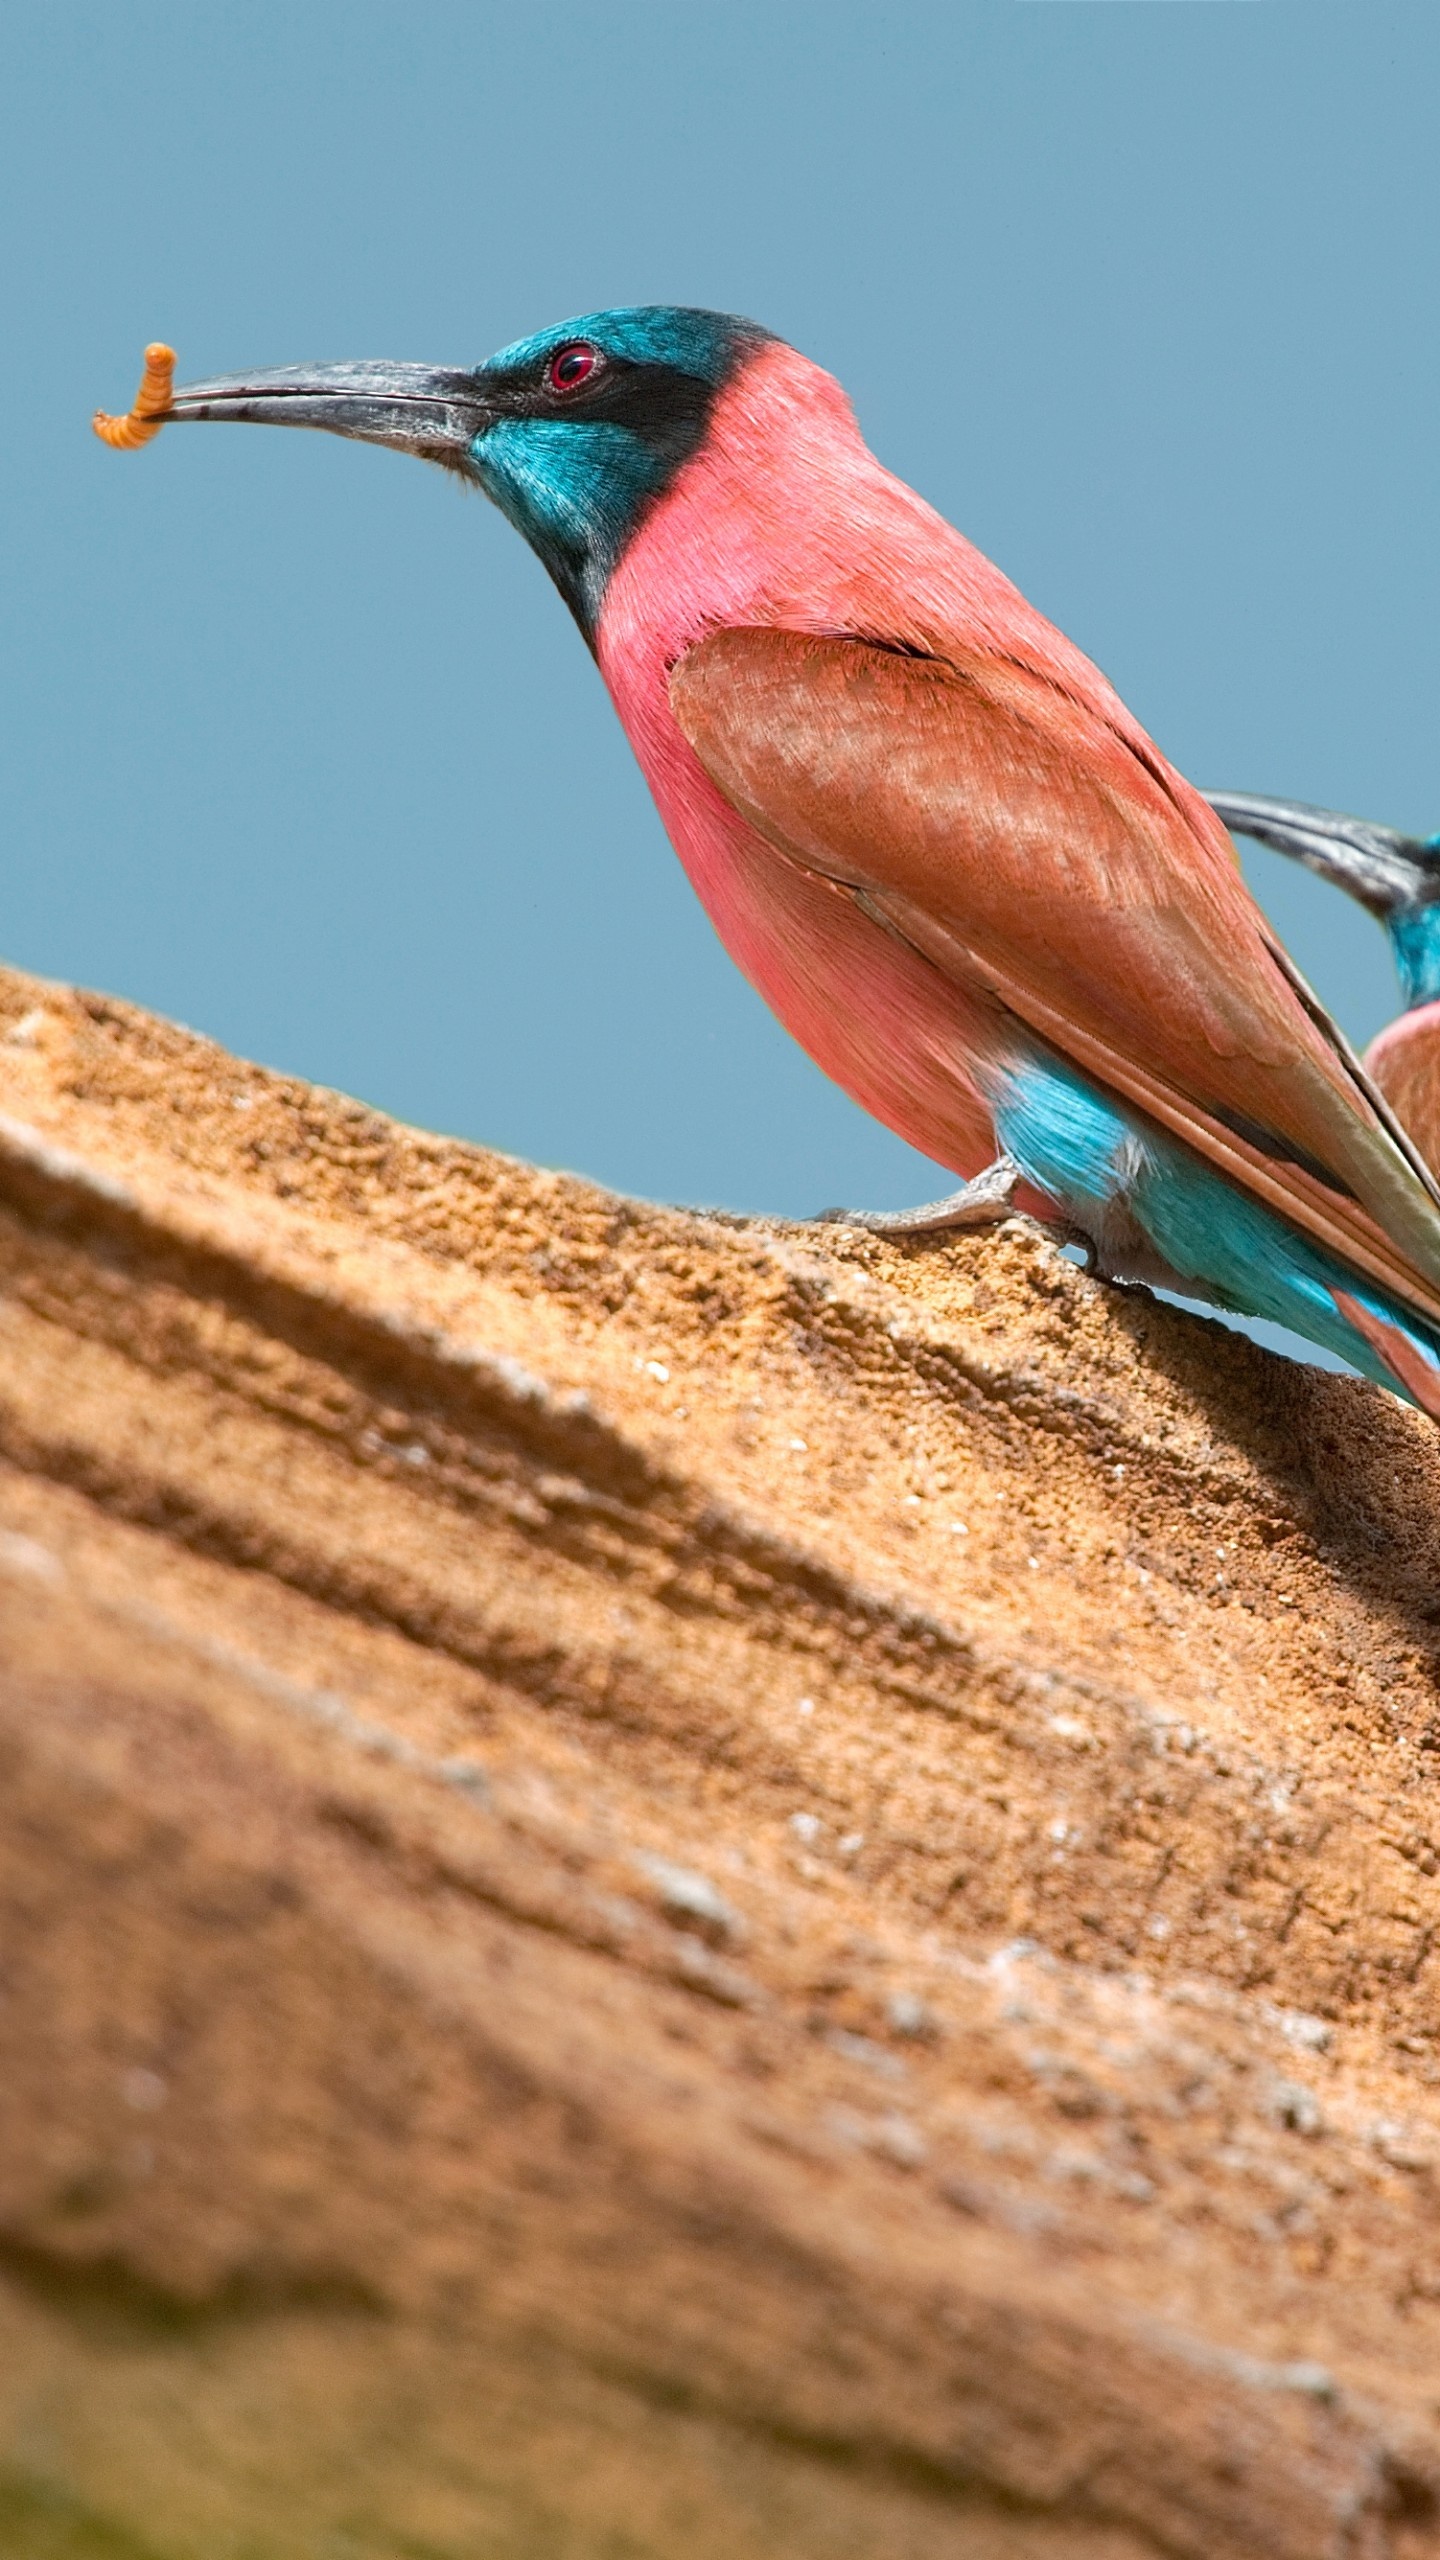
574,434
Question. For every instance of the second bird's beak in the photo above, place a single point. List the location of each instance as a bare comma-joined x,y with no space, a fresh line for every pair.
417,408
1381,868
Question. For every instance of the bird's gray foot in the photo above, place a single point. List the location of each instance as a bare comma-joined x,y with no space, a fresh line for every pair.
981,1203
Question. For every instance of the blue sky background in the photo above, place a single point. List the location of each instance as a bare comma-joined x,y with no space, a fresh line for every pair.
302,749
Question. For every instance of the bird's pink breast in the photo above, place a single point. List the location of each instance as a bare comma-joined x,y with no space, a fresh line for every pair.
1405,1063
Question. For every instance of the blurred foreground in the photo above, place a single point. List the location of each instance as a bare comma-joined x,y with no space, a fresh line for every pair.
670,1888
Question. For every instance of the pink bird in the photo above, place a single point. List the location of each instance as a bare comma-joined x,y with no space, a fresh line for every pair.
925,825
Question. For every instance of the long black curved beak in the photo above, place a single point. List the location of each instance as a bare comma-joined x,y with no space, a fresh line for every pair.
418,408
1380,867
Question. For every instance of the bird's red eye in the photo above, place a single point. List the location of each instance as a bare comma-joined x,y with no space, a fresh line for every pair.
572,365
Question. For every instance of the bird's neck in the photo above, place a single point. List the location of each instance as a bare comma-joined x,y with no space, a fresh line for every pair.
753,527
785,517
1415,940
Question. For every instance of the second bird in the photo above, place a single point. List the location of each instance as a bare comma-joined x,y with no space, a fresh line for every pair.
924,824
1398,878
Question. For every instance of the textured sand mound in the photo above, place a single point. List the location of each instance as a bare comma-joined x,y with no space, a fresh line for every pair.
672,1888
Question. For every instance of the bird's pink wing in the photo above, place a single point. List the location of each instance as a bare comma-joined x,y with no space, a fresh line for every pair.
1029,849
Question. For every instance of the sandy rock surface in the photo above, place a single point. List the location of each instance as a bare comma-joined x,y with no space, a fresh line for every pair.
672,1887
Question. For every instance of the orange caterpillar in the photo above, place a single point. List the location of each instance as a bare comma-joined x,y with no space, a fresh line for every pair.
152,401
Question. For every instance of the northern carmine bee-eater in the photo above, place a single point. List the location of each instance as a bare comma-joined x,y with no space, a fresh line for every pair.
1398,878
922,822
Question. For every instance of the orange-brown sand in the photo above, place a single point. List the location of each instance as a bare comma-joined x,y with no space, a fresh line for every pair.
678,1887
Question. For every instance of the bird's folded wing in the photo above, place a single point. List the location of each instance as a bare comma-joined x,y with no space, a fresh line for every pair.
1025,845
